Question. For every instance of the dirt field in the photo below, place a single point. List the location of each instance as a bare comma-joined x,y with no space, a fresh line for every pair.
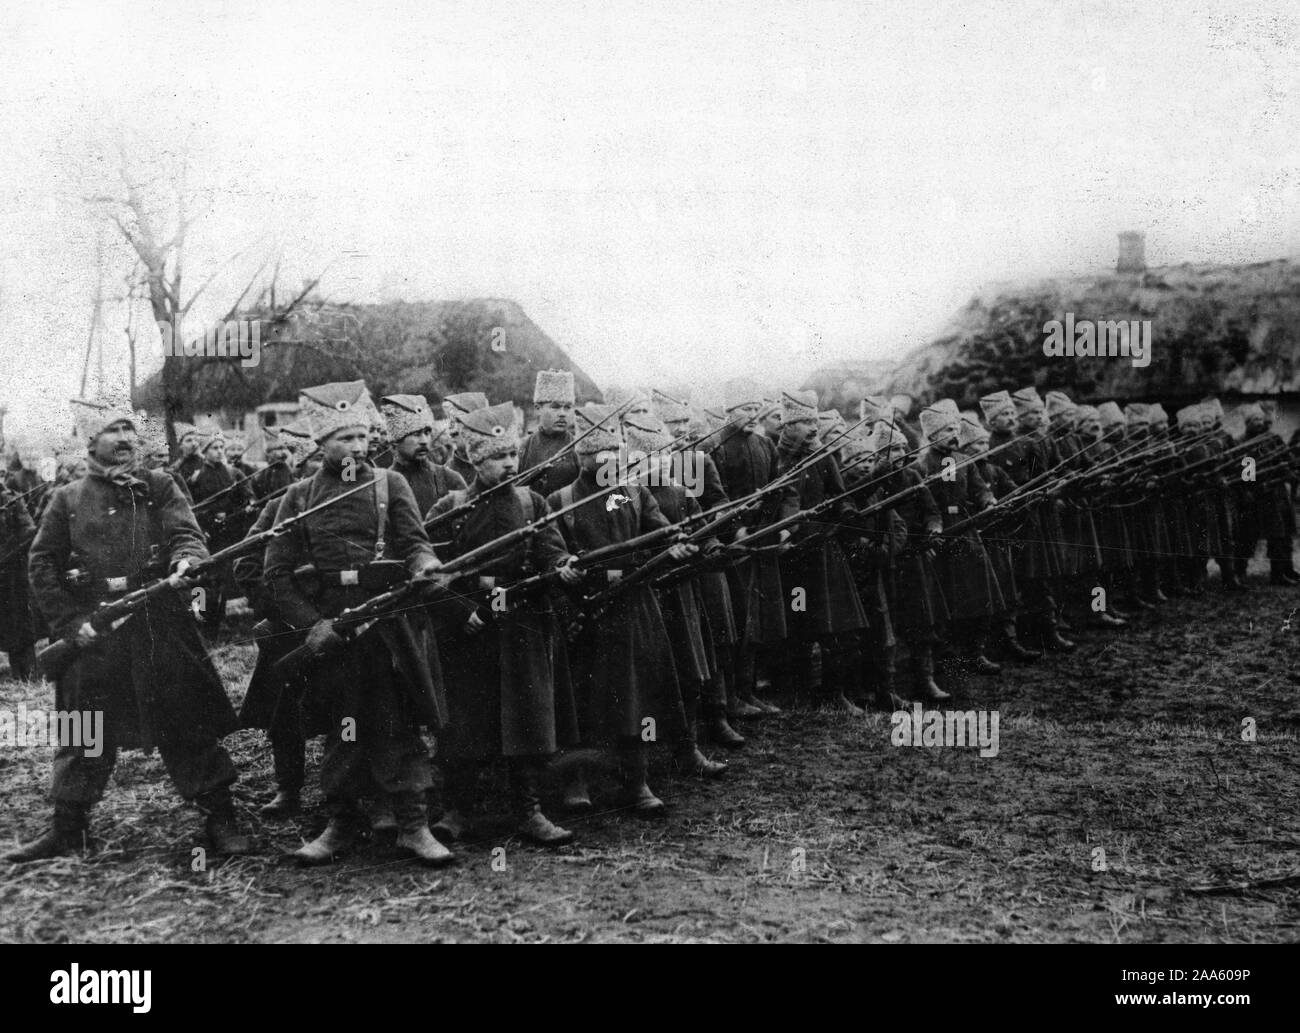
1132,745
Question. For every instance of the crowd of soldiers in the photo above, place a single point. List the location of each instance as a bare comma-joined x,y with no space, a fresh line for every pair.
633,573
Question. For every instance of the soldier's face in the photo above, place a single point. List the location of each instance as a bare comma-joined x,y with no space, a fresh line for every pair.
497,468
1255,427
215,452
977,447
115,444
1003,421
1031,420
277,455
945,441
416,446
555,417
678,428
157,458
349,443
772,422
800,431
745,416
189,445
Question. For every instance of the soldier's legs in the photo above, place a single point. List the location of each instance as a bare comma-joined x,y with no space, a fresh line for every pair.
79,779
526,792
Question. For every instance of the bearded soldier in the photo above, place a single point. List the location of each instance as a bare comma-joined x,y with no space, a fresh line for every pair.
378,687
508,690
554,399
116,529
410,429
457,406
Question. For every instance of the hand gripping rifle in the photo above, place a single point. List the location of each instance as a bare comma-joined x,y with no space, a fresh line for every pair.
58,656
355,620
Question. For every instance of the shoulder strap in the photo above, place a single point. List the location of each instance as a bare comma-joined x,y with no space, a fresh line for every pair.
381,510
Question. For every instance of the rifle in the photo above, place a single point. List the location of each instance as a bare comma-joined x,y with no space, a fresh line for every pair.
58,656
355,620
523,476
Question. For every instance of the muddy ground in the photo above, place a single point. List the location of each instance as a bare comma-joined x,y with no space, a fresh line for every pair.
1132,746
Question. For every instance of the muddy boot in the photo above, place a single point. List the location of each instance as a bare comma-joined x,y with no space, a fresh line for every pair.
635,793
287,801
339,837
980,663
719,732
68,834
525,785
451,827
923,672
413,830
222,831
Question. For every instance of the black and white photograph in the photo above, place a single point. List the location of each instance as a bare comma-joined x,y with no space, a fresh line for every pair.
760,472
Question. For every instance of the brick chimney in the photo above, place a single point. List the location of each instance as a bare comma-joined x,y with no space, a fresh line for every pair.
1132,252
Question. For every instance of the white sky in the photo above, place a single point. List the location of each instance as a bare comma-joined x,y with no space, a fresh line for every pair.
671,190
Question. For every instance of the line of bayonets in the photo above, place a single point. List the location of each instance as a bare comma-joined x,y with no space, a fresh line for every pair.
702,529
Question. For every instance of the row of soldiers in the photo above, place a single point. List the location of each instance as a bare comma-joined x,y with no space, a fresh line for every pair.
628,574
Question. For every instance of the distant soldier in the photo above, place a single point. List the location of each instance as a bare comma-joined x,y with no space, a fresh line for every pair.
278,472
410,429
554,399
457,406
116,529
969,583
508,691
1265,503
236,446
224,519
17,629
189,460
377,687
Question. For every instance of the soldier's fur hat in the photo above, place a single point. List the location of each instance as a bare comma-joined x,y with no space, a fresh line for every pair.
406,414
1026,400
1135,414
458,405
991,405
741,391
668,408
1251,411
830,424
971,429
935,418
1086,414
886,435
553,385
875,406
798,405
92,417
646,433
331,408
605,438
1060,404
1111,415
1156,415
487,433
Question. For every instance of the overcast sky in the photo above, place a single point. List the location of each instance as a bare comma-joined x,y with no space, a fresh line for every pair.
668,189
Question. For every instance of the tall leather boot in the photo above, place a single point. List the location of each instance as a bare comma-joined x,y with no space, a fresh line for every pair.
836,661
413,830
885,697
740,690
632,772
459,779
923,672
1011,645
577,791
68,834
222,830
525,786
687,754
1052,638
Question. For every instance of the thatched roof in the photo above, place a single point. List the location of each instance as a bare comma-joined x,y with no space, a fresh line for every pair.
429,348
1221,329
